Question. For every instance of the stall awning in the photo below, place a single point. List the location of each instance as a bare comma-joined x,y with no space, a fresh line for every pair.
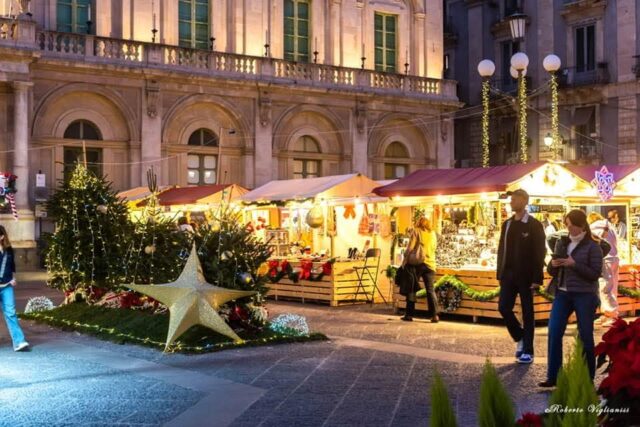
588,172
327,188
434,182
139,193
200,195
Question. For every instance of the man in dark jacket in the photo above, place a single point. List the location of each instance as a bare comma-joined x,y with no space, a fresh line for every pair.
521,253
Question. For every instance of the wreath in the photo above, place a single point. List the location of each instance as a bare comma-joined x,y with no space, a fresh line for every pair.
449,297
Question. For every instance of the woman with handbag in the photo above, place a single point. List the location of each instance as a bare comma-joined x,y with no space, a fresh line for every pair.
421,255
575,266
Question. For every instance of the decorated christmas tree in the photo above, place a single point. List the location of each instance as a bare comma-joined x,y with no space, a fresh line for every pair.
88,247
231,254
158,250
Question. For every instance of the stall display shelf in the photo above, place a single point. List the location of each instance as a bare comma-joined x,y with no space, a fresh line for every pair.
340,288
484,280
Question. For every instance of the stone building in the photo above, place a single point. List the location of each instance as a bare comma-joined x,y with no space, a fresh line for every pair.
598,43
219,91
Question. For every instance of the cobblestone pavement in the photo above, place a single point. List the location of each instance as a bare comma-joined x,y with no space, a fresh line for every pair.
375,371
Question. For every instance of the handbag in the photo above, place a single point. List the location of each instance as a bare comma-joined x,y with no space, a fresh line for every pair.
415,255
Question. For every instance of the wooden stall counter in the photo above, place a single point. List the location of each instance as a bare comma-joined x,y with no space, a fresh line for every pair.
338,288
483,279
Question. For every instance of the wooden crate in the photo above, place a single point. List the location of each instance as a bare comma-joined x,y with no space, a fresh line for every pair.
339,288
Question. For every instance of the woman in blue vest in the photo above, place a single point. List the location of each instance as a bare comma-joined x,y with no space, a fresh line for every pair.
7,298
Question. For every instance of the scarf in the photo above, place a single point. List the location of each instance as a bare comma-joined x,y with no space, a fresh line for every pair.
574,241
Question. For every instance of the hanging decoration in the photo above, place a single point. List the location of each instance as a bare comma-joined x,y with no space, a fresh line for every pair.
604,184
349,211
315,218
555,134
485,123
8,192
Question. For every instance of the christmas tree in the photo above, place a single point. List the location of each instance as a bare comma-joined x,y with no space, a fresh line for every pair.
231,254
88,247
158,250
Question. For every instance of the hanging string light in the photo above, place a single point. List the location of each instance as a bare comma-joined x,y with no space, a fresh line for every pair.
485,123
522,105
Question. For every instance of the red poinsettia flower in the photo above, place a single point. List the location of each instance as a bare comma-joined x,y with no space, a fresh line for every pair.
529,419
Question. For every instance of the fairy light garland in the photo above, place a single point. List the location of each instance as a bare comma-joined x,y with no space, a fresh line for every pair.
555,134
522,125
175,347
485,123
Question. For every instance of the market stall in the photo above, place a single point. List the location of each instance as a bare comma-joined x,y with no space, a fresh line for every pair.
197,203
320,230
467,208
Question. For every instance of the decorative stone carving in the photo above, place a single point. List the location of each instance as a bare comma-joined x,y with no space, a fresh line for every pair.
361,115
153,94
445,124
264,104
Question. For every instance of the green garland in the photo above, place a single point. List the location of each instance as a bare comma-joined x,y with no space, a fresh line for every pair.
453,281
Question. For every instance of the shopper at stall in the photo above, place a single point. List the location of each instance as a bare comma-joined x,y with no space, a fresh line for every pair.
608,283
421,255
618,226
576,264
7,297
521,253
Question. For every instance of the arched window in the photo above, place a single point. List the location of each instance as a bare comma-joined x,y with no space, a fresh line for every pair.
82,129
72,16
204,137
306,163
296,30
395,153
193,23
202,168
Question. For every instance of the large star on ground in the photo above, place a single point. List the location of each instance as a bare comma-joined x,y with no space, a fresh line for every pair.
192,301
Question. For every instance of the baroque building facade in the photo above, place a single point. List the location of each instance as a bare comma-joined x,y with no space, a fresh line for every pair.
220,91
598,42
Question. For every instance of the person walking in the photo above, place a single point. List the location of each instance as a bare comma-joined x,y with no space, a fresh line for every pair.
421,255
608,283
520,266
7,297
576,265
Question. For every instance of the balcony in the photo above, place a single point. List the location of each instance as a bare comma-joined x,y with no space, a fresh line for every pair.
573,77
91,49
584,151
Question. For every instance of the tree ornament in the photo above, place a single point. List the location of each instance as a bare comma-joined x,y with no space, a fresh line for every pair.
245,278
102,209
315,218
192,301
150,249
226,256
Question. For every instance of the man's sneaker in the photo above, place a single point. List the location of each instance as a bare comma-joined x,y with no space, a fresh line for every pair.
519,348
525,358
23,346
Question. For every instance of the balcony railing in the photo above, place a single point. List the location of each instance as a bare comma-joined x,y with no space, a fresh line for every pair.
574,76
101,50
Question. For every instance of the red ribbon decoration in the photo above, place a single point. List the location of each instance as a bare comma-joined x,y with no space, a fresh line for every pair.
306,266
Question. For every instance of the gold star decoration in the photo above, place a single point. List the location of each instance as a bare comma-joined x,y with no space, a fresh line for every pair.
192,301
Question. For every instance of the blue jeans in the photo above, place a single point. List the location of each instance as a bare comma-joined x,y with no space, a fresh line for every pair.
8,303
584,304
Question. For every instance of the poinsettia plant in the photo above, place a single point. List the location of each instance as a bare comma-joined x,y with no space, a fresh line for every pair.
620,346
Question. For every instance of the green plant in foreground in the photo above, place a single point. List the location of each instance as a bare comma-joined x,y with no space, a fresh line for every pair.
496,407
442,414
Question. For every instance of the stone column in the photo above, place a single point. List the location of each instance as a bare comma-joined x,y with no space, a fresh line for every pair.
151,136
359,158
263,152
335,41
21,141
419,53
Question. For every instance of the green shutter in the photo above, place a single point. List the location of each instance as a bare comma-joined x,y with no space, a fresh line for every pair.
72,16
385,42
296,30
193,23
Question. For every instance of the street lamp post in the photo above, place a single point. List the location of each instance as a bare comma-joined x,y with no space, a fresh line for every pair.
551,64
486,68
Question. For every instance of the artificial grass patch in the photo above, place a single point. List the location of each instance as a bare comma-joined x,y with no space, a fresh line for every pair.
142,327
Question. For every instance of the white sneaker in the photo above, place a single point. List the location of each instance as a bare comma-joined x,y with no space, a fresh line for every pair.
525,358
22,346
519,348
